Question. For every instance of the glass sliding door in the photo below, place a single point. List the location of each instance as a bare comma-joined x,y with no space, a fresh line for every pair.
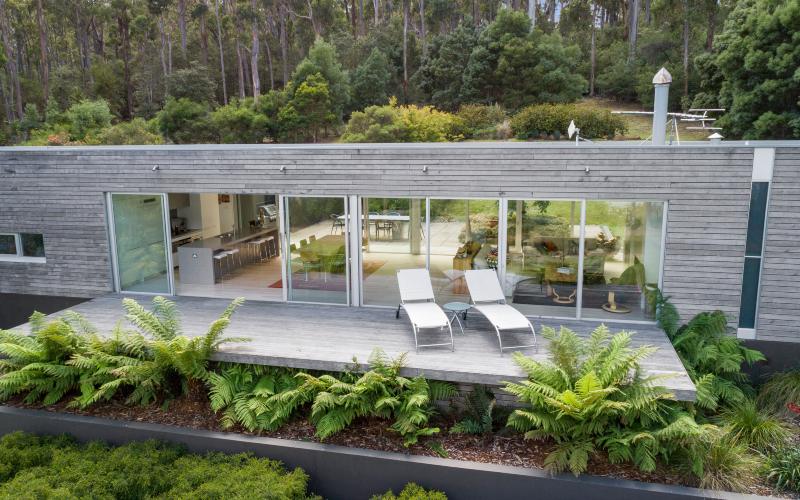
622,258
316,261
542,256
140,242
463,236
393,238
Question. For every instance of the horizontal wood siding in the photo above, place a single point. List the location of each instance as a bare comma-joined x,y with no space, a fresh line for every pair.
59,192
780,293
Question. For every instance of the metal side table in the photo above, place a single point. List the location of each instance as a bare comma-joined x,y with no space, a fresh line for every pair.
454,309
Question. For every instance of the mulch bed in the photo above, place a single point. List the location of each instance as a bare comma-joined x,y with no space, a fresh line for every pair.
504,447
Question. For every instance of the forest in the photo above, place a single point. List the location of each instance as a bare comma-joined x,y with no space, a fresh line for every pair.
252,71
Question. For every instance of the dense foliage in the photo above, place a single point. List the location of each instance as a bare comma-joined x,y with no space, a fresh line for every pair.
412,491
591,395
151,361
783,468
138,56
56,467
553,120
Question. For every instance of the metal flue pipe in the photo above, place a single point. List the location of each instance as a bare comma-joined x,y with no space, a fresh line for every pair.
661,82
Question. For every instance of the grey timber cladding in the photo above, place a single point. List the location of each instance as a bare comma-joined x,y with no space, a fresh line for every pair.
59,192
780,295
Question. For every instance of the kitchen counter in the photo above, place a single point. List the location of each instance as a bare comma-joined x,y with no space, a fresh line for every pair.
191,234
196,259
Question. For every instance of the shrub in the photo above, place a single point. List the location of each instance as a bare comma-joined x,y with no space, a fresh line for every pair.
481,120
478,418
256,397
756,429
553,119
783,468
88,117
67,354
591,395
714,359
135,131
412,491
185,122
393,123
239,122
46,467
192,83
779,391
382,393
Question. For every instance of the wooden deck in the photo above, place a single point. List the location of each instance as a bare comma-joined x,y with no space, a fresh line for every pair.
329,338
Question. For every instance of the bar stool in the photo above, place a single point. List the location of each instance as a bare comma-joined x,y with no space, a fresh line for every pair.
235,256
271,247
261,247
220,259
253,250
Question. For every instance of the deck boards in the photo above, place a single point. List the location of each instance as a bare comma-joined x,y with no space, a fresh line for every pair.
324,337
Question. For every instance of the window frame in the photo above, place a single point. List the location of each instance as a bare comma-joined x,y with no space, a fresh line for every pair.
19,256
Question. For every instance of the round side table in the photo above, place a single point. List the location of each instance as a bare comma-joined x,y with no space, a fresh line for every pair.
454,309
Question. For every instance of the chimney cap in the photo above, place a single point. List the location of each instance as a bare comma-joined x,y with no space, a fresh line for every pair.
662,77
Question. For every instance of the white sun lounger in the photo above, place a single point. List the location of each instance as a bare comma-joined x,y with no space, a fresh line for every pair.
489,300
416,298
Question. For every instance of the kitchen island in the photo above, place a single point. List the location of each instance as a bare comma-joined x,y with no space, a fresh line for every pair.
196,258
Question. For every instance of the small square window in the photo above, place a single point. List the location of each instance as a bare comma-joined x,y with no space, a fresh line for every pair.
8,244
32,244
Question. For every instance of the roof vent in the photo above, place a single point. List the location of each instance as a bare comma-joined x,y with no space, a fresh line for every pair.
662,77
661,82
715,138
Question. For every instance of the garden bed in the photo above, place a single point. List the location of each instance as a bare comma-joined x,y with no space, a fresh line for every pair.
504,448
343,472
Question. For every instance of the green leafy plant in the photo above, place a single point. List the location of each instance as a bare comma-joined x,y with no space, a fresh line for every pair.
256,397
755,428
713,358
381,392
783,468
57,467
591,395
779,391
478,413
36,365
726,463
148,359
412,491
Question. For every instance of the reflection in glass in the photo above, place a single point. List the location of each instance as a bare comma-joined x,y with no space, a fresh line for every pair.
141,243
32,244
8,244
542,256
622,258
317,245
393,238
463,236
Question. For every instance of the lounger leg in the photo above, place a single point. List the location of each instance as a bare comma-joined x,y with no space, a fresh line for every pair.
452,343
416,343
397,314
499,339
534,334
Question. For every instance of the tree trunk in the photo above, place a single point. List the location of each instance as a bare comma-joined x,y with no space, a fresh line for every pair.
203,31
405,49
163,51
354,18
712,25
532,12
182,25
254,54
82,38
45,64
647,17
11,61
633,29
362,28
221,53
422,31
123,26
284,42
239,51
376,11
686,48
593,53
268,52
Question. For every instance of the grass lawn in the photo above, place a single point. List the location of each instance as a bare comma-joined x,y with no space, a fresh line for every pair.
641,126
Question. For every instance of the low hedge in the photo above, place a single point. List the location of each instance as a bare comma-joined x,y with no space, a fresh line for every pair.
535,121
57,467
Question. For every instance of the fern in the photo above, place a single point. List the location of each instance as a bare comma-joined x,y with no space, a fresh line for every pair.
590,395
478,418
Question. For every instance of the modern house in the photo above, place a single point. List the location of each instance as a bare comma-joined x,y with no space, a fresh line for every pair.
576,233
